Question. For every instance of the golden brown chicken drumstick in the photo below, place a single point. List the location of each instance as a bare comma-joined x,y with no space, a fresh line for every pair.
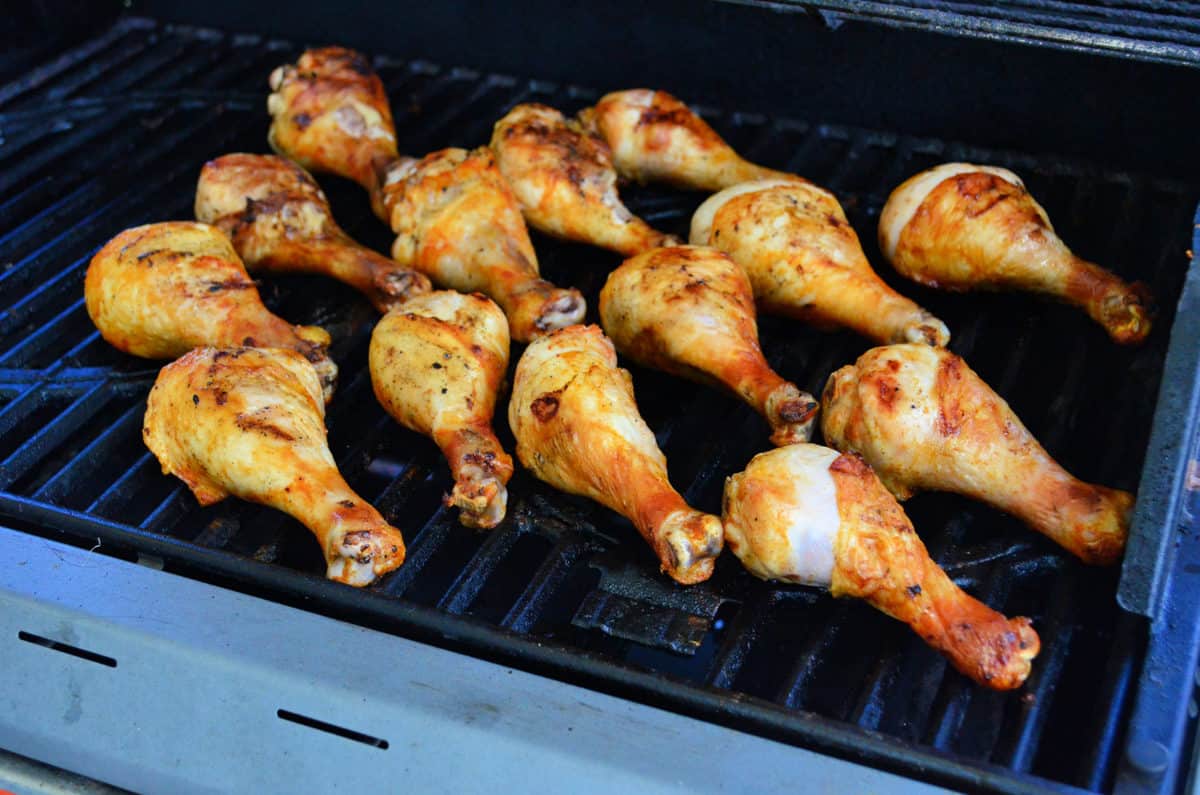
279,220
809,515
250,422
437,363
329,112
924,420
564,178
577,428
656,138
162,289
804,261
964,227
689,310
456,219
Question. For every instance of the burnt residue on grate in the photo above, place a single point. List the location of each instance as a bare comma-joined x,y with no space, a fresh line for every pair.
116,136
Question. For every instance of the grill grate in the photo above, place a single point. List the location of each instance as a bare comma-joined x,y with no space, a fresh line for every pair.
114,134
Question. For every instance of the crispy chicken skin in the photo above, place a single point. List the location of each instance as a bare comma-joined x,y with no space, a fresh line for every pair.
329,113
804,261
924,420
965,227
279,220
654,137
457,221
564,178
807,514
689,310
577,428
437,364
250,422
162,289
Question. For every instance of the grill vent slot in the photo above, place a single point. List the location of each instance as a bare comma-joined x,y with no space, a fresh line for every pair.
66,648
333,728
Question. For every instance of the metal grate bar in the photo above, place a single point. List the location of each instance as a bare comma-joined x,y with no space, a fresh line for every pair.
96,455
39,444
549,577
84,53
474,575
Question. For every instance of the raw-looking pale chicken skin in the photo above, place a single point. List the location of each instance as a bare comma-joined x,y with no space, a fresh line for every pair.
280,221
578,428
330,113
564,178
689,310
655,137
804,260
436,364
925,421
162,289
809,515
960,227
250,422
457,221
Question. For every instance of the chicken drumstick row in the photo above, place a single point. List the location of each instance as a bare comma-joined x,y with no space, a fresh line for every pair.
455,218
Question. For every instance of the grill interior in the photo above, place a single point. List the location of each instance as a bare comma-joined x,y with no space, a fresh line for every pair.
113,134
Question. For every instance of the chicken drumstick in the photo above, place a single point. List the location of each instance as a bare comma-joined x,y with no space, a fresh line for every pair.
964,227
689,310
924,420
804,260
809,515
162,289
565,181
656,138
250,422
279,220
577,428
437,364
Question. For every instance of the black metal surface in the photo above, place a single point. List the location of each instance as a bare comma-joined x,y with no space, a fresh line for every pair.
1162,30
115,136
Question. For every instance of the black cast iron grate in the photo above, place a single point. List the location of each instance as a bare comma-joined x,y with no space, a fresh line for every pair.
113,134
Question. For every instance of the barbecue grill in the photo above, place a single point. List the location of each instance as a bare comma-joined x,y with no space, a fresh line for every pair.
550,652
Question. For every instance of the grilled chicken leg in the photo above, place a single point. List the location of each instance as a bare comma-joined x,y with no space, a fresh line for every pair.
924,420
565,181
807,514
279,220
250,422
577,428
656,138
457,221
455,218
804,260
964,227
160,290
689,310
437,364
329,113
